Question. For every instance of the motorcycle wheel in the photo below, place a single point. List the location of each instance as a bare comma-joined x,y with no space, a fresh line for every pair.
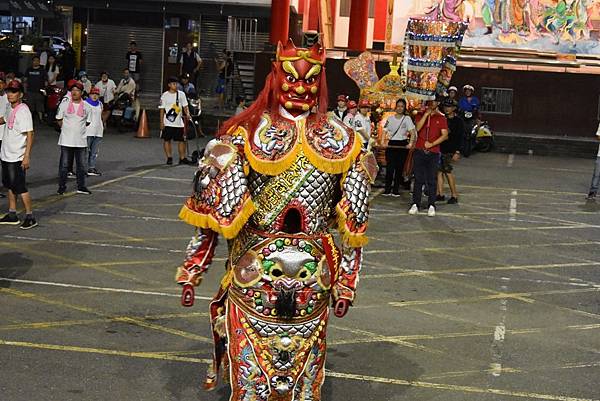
121,126
485,144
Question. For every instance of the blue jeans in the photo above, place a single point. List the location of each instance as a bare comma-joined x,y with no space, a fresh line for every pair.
596,177
93,145
67,154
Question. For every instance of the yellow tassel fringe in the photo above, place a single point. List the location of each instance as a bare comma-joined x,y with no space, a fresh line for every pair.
332,166
270,167
354,240
229,231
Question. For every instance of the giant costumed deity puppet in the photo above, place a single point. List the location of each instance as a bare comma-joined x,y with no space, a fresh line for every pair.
274,181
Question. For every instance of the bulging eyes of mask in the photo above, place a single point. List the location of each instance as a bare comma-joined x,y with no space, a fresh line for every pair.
298,76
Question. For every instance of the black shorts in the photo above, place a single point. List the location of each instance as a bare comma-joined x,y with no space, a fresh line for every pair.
173,134
446,163
13,177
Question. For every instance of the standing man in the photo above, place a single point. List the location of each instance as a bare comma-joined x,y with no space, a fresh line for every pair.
450,151
173,104
362,123
4,109
107,89
72,117
36,79
190,62
15,155
126,84
398,128
432,130
68,62
134,63
593,192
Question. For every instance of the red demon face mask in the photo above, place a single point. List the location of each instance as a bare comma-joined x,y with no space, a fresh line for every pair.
297,76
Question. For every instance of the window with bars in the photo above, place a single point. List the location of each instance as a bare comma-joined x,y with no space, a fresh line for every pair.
496,100
345,8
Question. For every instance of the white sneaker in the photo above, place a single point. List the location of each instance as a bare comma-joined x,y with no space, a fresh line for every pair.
431,211
413,209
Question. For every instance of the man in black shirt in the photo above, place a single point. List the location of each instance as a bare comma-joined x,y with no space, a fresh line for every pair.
189,62
450,151
35,79
134,63
68,63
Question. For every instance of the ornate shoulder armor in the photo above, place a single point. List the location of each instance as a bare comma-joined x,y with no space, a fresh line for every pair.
221,200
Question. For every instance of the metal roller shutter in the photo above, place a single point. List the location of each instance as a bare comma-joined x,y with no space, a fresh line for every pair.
106,49
213,39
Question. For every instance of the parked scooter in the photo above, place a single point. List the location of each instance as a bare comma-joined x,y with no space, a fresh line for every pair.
123,114
482,136
54,95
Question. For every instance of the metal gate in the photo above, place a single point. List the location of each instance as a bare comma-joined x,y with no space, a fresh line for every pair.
106,49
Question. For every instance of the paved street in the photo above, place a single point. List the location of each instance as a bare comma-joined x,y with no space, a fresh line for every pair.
496,299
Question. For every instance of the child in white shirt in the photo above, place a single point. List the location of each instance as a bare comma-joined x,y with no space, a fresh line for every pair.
95,130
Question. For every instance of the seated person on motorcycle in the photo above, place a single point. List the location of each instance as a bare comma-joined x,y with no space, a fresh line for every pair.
186,86
469,103
126,85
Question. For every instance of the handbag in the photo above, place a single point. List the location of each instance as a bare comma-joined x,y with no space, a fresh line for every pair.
407,169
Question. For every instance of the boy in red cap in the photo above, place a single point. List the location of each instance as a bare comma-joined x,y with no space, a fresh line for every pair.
342,108
95,130
15,155
362,122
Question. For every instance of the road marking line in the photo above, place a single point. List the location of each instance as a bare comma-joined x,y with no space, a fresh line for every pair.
375,336
165,329
148,193
105,289
510,161
57,198
478,269
27,250
145,218
515,295
453,387
99,244
512,209
148,355
141,323
499,335
64,323
150,177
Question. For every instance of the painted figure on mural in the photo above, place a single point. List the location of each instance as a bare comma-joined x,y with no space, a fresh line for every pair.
273,183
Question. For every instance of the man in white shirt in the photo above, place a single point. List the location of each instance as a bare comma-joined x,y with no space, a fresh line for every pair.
593,192
4,107
72,117
126,84
362,122
15,155
173,104
107,89
398,128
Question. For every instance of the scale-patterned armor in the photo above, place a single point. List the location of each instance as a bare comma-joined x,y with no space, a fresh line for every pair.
273,190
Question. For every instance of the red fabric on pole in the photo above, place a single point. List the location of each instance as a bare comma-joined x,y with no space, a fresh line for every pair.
359,18
280,21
